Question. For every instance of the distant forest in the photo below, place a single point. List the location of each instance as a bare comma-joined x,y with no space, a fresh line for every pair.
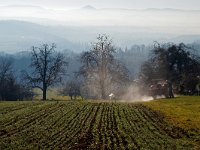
133,59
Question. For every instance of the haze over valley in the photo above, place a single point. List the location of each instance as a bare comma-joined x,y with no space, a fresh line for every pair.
23,25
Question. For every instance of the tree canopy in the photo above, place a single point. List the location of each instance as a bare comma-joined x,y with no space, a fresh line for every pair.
176,63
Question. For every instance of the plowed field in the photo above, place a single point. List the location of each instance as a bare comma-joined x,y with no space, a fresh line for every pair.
86,125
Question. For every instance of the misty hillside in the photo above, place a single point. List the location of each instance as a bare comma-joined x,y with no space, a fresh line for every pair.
19,36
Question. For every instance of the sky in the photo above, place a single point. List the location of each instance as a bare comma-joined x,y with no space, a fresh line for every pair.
130,4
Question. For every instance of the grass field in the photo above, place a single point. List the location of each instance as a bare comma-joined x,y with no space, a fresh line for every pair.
94,125
183,112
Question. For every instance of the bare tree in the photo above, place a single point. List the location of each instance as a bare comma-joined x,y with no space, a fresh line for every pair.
5,68
10,88
5,75
48,67
72,89
100,69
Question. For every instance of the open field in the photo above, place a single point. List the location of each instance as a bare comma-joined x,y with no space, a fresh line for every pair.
92,125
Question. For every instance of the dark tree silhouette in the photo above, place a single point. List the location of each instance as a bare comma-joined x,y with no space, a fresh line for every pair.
48,67
10,88
6,77
172,62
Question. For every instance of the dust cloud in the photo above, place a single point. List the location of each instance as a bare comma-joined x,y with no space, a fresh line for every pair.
134,94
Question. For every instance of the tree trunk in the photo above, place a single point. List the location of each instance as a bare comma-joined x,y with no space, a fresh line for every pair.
103,95
44,93
45,73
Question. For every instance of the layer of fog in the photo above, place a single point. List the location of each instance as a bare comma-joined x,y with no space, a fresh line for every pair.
156,20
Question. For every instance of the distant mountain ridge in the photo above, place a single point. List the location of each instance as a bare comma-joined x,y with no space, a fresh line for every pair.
20,36
90,7
167,18
152,9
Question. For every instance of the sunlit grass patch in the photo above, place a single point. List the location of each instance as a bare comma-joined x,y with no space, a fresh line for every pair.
183,112
52,94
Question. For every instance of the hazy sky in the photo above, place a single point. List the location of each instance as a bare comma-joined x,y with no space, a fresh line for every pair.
56,12
136,4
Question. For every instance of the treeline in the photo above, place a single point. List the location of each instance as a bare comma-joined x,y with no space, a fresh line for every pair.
100,71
